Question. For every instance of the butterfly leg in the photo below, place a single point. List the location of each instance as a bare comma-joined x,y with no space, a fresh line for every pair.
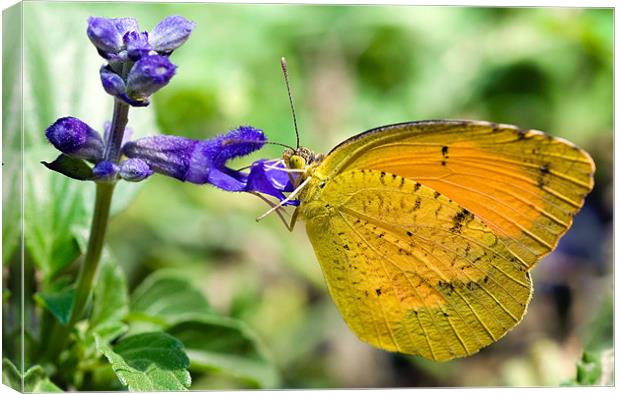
287,199
278,211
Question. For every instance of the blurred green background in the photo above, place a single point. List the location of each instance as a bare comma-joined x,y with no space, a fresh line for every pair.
353,68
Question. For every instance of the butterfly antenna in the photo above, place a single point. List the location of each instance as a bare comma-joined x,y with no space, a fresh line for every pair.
238,140
290,96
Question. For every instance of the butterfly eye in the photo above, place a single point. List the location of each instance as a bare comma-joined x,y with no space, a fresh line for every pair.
297,162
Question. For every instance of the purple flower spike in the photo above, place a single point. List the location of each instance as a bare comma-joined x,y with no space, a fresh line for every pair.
105,170
104,35
165,154
137,44
75,138
171,33
135,170
148,75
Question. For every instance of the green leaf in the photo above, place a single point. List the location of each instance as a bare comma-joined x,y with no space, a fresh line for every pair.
71,167
111,298
149,362
10,375
588,369
58,302
216,343
54,205
166,295
35,379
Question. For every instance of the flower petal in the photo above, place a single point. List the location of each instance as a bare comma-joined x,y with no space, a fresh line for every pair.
125,25
165,154
137,44
269,181
170,33
103,34
212,154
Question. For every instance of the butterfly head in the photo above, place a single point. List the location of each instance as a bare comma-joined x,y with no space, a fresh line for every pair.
301,158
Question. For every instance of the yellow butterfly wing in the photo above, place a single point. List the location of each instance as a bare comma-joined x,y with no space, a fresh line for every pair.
412,271
525,185
426,231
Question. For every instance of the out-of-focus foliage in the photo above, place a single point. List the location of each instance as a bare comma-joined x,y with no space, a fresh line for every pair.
351,69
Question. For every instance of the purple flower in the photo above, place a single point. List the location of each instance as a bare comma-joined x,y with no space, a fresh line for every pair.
120,39
137,44
105,170
196,161
75,138
148,75
272,180
135,170
205,161
171,33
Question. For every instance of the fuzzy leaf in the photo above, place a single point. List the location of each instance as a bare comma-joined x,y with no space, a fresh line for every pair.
58,302
35,379
152,361
164,295
10,375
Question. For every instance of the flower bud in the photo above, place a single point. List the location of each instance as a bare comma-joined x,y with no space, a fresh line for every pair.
170,33
148,75
75,138
103,34
135,170
105,170
112,83
137,44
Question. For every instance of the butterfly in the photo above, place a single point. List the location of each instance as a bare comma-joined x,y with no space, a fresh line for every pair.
427,231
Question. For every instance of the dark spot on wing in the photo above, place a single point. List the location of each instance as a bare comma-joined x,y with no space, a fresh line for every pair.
378,291
544,172
461,218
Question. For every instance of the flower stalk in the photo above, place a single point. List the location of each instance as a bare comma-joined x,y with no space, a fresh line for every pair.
98,229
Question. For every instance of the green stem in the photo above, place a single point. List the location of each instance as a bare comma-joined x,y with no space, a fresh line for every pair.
88,270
